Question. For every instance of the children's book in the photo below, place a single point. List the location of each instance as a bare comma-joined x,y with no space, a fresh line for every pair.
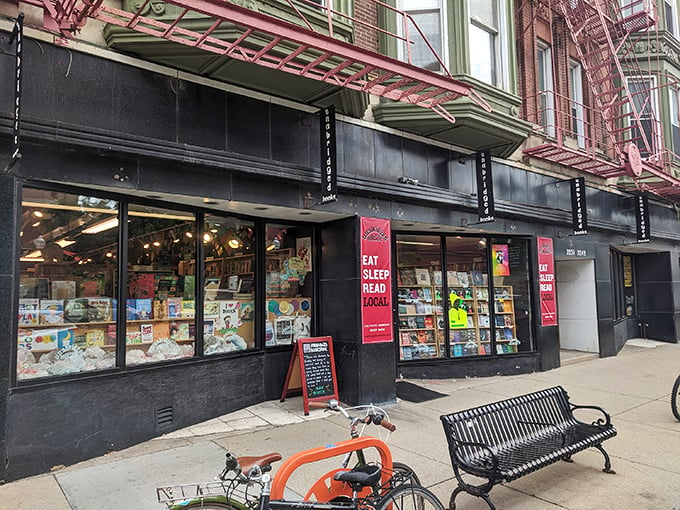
422,276
28,311
147,332
76,310
174,308
63,289
188,308
51,311
99,310
141,285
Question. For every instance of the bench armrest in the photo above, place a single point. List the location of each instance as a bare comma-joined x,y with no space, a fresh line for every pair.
490,462
603,422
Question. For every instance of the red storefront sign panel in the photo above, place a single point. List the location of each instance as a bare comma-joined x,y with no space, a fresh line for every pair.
546,281
376,281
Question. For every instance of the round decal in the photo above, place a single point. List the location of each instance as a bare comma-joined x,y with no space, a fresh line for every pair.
285,307
295,304
304,305
273,307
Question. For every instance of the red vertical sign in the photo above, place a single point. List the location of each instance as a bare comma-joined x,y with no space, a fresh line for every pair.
546,281
376,281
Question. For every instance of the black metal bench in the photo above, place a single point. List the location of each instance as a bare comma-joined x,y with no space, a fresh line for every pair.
512,438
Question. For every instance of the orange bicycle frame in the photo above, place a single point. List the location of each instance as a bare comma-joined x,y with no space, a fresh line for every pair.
326,488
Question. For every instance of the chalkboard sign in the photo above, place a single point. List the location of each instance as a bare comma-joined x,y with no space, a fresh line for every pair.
316,366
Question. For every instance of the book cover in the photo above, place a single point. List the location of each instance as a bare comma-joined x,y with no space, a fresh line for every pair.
144,309
232,283
452,278
463,279
211,309
165,286
110,337
477,278
133,337
75,310
95,337
45,340
51,311
422,276
437,277
65,338
189,287
63,289
34,288
179,331
407,352
229,315
28,311
146,331
404,338
188,308
160,309
174,308
208,327
99,309
141,285
408,276
161,330
92,285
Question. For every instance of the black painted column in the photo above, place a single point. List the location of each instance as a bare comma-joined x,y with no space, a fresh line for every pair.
366,373
9,198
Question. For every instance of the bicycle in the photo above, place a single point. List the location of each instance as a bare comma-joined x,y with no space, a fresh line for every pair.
233,492
372,414
675,395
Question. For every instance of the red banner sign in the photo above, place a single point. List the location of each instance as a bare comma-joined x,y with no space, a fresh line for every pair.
376,281
546,280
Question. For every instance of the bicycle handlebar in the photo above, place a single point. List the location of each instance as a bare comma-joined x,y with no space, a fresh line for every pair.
377,418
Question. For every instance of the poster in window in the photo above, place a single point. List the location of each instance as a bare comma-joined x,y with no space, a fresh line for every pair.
303,249
500,260
627,271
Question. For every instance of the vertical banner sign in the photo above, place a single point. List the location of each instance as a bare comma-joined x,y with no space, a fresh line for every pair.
579,210
329,167
485,203
18,32
500,262
546,281
376,281
642,218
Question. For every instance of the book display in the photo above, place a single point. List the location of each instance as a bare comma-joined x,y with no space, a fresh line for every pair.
471,318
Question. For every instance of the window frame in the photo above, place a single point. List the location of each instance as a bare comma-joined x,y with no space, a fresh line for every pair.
441,8
545,87
500,72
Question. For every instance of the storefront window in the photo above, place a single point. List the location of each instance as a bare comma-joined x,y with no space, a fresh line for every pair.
422,321
229,285
469,321
160,306
67,284
511,295
289,284
479,305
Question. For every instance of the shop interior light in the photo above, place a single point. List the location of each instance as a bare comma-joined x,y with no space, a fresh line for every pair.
38,214
33,255
207,237
189,234
156,243
234,242
146,246
63,243
416,243
102,226
37,223
274,245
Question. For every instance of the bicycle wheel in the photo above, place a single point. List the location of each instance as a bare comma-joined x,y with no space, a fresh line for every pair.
675,397
409,497
409,475
206,506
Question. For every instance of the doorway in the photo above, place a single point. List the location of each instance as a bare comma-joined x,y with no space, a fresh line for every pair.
577,305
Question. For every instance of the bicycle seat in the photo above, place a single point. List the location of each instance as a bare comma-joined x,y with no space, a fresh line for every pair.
363,476
248,463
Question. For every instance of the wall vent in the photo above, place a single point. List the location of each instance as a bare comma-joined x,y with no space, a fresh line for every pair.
164,419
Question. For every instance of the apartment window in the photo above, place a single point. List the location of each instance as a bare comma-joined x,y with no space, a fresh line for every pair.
675,118
488,50
546,98
429,16
671,14
645,134
576,103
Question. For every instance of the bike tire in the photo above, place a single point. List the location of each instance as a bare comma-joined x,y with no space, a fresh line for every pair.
400,467
409,497
199,505
675,399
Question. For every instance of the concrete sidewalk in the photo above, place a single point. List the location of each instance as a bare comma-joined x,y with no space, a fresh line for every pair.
634,387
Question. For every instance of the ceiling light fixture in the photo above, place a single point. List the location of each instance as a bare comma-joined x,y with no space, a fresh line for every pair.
102,226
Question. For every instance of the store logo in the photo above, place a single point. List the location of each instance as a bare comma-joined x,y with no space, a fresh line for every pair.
485,202
579,212
642,219
374,233
329,168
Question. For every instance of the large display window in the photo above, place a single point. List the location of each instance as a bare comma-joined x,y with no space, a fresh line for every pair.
289,284
189,284
462,296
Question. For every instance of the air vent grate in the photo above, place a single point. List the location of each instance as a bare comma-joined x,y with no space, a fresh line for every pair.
164,418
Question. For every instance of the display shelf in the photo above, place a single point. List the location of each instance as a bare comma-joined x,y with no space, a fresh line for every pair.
419,335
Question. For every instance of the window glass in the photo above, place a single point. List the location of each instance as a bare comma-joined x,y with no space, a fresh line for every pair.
467,298
488,49
483,65
160,307
229,285
546,89
675,118
511,295
420,296
427,15
289,262
67,284
645,134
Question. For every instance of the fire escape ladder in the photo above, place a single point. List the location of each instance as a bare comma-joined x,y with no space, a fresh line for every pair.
271,42
602,40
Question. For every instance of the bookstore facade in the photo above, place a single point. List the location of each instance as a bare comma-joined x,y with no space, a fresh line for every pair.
161,259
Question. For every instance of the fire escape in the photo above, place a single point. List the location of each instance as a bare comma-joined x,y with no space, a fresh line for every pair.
299,49
604,35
